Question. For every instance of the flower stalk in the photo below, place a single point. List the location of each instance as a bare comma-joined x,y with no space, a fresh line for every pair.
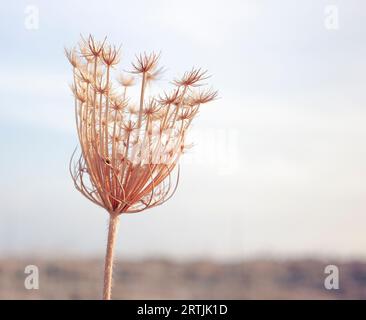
109,256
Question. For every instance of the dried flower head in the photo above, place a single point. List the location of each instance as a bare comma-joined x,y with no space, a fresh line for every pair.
129,151
146,63
169,98
73,57
110,55
91,47
126,81
202,97
192,78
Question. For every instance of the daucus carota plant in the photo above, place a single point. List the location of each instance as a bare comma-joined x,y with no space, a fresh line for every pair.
129,148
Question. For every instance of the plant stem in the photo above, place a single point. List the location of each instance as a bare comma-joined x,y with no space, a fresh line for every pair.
108,268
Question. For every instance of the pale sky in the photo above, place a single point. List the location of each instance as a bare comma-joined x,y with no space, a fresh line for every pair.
279,163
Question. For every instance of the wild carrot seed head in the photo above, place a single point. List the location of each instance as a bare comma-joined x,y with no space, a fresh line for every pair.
146,63
129,150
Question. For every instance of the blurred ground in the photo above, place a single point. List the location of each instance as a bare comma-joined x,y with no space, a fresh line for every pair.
162,279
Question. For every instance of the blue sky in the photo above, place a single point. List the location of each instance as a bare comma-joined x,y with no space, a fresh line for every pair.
286,178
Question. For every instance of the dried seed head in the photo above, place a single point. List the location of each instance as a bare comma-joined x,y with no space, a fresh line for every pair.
85,53
129,126
151,108
202,97
73,57
128,172
101,87
168,99
117,103
110,55
126,81
93,48
117,139
83,75
192,78
79,92
146,63
132,109
154,75
158,115
188,114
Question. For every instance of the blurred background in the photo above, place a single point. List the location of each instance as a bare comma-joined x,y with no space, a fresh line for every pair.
272,191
